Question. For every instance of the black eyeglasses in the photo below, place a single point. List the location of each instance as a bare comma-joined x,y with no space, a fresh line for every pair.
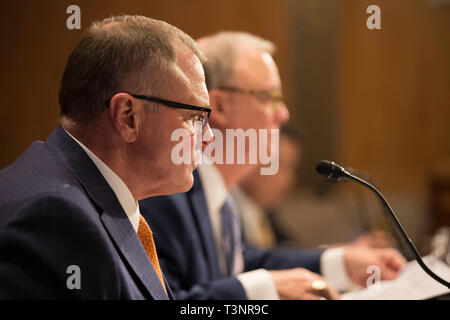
203,117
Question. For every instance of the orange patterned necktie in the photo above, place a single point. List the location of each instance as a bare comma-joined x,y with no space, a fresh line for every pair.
145,235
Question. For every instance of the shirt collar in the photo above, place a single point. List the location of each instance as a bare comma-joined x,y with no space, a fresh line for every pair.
214,186
245,203
123,194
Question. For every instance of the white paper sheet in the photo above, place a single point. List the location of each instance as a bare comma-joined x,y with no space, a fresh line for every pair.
412,284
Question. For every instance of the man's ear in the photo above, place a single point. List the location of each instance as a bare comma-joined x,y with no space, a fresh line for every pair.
221,109
123,115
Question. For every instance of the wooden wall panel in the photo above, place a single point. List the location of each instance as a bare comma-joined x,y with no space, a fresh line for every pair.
36,44
394,91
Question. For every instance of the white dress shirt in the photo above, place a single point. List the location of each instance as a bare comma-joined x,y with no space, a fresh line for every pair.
253,218
123,194
258,284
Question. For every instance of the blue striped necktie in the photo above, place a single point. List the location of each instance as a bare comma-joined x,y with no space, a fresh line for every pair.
231,237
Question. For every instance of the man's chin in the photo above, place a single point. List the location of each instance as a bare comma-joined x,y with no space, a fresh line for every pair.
189,181
185,184
179,182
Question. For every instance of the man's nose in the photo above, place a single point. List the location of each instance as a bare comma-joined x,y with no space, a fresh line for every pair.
282,114
208,136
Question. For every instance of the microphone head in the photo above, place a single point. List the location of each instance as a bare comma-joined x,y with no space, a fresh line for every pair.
331,170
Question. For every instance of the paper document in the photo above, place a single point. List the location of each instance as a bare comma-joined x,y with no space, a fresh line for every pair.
413,283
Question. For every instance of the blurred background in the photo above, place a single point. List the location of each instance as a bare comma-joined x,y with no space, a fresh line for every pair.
374,100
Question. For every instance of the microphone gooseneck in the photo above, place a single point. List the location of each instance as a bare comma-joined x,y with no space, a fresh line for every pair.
331,170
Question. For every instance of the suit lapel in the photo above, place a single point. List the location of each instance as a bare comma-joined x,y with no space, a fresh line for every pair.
201,215
113,216
131,248
169,291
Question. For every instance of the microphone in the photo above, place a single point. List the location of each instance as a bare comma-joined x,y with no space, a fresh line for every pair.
331,170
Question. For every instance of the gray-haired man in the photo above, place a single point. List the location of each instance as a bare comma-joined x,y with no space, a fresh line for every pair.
70,225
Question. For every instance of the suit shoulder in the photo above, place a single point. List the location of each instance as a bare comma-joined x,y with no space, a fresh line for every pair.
36,172
65,206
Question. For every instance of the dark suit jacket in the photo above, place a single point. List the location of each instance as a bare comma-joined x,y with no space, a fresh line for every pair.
57,210
187,249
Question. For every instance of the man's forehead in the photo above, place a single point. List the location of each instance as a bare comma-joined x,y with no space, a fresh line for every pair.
254,68
186,59
189,78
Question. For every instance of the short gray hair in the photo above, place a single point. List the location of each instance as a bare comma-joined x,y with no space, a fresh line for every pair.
221,51
119,54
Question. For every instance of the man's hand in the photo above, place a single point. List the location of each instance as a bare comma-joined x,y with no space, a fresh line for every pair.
375,239
358,259
297,284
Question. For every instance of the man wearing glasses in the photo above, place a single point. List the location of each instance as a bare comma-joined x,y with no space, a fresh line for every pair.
199,231
70,225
